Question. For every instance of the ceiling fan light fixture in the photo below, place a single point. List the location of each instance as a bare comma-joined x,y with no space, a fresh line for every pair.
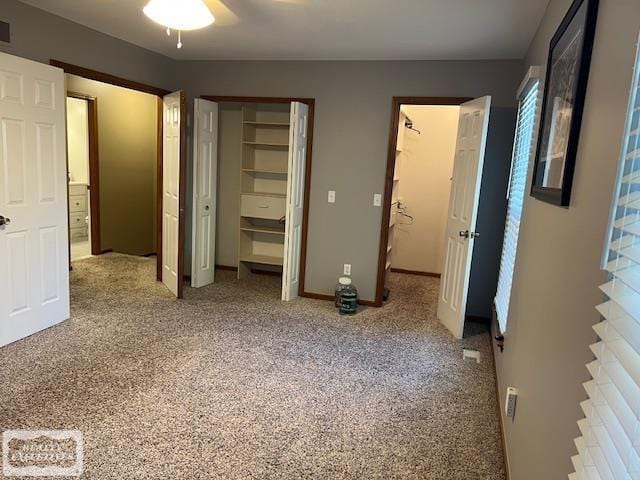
179,14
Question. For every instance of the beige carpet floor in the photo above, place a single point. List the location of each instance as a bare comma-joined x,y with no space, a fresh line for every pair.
231,383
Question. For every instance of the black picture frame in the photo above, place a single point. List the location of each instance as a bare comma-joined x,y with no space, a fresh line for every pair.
565,89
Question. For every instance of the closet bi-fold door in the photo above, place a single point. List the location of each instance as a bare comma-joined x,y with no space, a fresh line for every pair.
173,191
34,274
205,173
295,200
473,125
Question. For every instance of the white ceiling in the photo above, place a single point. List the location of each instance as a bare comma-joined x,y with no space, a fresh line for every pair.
326,29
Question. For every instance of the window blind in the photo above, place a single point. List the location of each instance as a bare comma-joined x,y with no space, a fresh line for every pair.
609,445
522,149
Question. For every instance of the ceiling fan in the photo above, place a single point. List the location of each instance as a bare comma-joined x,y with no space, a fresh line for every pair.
183,15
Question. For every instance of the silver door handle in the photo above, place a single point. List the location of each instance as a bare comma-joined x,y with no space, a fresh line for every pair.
4,220
464,233
474,234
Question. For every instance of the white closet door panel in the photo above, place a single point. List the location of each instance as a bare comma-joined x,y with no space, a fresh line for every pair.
171,191
205,177
295,200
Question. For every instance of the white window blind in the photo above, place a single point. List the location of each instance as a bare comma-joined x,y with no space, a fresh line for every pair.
609,445
522,150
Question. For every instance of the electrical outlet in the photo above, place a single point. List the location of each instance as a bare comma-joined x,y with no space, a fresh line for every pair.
510,403
331,197
377,200
347,269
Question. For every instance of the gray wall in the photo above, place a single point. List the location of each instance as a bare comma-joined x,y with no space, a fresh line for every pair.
353,108
351,128
558,265
40,36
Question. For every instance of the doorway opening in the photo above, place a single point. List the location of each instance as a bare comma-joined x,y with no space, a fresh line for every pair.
83,176
434,172
112,163
250,199
421,185
137,166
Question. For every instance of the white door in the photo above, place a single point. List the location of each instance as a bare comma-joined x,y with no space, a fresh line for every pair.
171,192
34,248
205,174
295,200
463,209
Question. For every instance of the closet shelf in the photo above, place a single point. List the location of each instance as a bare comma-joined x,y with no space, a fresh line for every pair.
262,259
265,194
388,266
267,124
266,144
256,170
262,229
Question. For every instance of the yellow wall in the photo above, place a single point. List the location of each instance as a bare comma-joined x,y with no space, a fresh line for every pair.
426,166
127,133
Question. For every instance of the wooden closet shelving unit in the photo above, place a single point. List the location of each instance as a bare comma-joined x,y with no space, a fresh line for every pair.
263,188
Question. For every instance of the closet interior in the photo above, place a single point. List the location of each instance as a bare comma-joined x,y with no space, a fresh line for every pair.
263,186
262,160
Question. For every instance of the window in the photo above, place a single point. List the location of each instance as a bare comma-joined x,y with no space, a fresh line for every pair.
522,149
610,443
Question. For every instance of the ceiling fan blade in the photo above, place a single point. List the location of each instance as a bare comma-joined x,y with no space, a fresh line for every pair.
224,15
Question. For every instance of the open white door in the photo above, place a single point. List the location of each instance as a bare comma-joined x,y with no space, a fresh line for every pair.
295,200
205,174
34,258
171,205
463,209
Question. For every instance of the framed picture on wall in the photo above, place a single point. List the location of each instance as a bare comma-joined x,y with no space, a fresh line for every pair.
564,93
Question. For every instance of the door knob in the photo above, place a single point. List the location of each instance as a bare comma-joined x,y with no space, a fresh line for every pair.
474,235
464,233
206,207
4,220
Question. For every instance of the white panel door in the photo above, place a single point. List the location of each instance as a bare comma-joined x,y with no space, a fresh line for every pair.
463,209
295,200
34,259
171,191
205,175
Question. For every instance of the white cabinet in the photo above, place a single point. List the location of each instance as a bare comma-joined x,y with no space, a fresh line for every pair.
78,211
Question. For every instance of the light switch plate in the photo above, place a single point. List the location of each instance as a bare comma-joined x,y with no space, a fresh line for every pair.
377,200
347,269
331,197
